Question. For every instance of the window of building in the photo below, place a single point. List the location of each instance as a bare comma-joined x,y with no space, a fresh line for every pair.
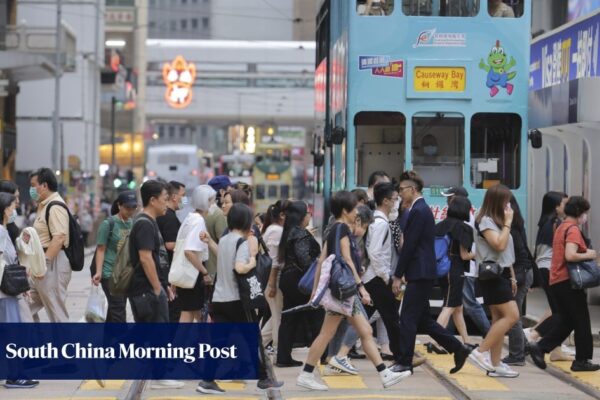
171,132
376,8
173,26
194,23
379,144
183,23
161,131
441,8
152,24
205,22
272,191
438,142
495,150
505,8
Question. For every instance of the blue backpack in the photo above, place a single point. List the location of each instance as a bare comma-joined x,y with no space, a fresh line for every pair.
442,260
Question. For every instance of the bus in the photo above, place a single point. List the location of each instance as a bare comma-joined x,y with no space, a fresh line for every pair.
435,86
237,166
178,162
272,174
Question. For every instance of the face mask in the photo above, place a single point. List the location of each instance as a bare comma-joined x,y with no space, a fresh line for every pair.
183,202
430,150
583,219
35,196
12,217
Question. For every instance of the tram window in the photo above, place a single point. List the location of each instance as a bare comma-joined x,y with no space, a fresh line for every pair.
441,8
285,192
379,144
505,8
438,143
374,7
260,192
495,150
272,191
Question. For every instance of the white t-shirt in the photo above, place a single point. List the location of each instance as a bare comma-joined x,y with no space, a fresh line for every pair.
189,235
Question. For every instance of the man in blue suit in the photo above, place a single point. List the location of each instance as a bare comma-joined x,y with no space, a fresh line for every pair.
417,268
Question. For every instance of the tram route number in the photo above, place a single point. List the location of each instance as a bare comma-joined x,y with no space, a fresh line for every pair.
439,79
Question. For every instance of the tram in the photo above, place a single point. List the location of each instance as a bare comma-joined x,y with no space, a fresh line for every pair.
436,86
272,174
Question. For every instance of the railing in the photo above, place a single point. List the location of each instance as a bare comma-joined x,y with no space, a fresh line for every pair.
42,40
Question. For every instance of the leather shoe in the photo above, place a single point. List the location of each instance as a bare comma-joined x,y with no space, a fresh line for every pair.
354,355
290,364
401,368
537,355
460,356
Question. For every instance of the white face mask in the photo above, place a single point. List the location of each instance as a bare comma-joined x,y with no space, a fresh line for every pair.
12,217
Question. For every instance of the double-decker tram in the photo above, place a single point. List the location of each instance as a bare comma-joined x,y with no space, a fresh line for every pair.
272,174
436,86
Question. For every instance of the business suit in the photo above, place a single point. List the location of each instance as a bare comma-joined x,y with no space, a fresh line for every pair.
417,263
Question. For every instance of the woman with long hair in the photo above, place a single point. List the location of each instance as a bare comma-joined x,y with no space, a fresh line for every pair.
459,249
343,207
569,245
271,233
109,241
297,251
494,243
196,253
523,268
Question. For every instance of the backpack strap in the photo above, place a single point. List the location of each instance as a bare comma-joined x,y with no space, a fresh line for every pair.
48,207
111,225
387,233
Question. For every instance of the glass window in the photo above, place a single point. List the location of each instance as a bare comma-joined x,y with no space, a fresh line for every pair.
260,192
205,22
441,8
285,192
495,150
438,143
194,23
379,144
375,7
505,8
171,132
272,191
173,25
183,24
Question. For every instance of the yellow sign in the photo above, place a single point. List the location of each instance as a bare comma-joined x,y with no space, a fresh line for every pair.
179,77
272,177
439,79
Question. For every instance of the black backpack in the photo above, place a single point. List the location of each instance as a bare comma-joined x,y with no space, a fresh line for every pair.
75,250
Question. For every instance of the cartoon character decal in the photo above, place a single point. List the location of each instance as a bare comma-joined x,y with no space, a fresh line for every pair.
498,69
179,76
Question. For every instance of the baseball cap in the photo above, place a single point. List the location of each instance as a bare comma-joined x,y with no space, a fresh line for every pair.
128,199
456,191
220,182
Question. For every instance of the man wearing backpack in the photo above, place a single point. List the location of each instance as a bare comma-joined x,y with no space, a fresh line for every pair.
50,291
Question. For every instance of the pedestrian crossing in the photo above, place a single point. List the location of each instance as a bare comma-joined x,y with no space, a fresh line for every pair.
108,385
589,378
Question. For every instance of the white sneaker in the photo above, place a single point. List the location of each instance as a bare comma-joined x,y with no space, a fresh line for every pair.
482,360
330,370
343,364
503,371
528,335
309,381
167,384
559,355
389,377
567,350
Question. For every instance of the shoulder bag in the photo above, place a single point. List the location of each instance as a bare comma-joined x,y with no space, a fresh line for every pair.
488,270
341,283
583,274
251,292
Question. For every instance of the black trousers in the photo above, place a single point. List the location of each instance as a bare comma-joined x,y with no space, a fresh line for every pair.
233,311
387,305
116,304
148,307
549,323
574,316
414,315
308,321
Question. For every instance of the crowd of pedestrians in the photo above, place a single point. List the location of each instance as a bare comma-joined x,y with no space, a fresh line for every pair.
384,239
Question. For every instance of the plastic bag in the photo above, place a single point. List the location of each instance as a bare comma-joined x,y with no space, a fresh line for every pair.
95,310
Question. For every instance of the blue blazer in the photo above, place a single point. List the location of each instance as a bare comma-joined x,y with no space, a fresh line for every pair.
417,257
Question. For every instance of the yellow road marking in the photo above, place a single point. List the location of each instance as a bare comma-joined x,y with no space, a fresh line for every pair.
343,381
469,377
77,398
235,386
201,397
108,385
590,378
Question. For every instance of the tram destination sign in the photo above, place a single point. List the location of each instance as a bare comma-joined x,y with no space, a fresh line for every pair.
439,79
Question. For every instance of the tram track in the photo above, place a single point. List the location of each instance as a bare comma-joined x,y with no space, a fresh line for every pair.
452,387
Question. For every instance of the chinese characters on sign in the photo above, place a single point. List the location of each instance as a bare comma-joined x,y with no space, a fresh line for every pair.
439,79
179,77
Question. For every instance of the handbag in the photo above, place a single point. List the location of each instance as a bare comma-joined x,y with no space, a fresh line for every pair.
182,273
14,280
342,283
489,270
307,281
251,291
583,274
264,262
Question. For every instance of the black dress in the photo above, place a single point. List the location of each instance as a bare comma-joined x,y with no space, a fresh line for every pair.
460,234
